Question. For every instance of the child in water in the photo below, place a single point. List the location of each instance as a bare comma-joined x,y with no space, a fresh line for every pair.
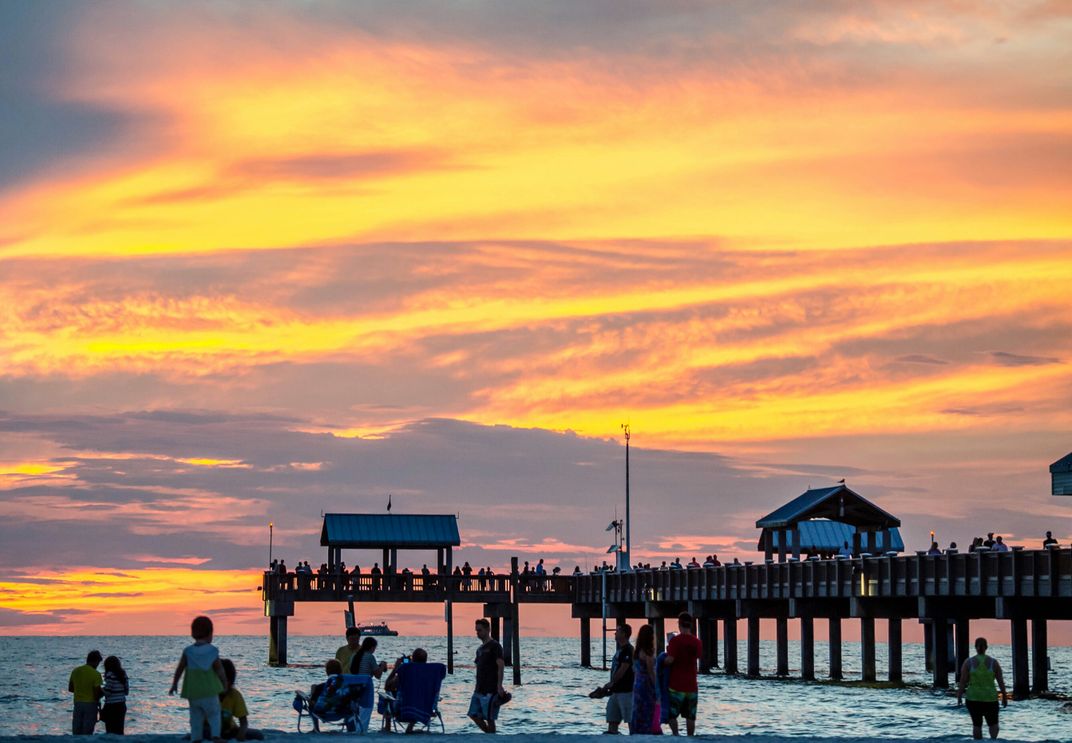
203,680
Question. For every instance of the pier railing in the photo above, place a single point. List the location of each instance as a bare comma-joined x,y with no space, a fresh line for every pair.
1020,573
414,587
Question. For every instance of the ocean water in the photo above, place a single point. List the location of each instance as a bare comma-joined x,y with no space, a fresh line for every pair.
552,698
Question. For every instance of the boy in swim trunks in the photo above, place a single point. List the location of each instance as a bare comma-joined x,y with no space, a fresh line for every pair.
683,654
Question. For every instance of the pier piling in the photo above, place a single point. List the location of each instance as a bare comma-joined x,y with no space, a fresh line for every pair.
1040,681
834,640
1020,685
867,647
893,644
807,648
586,642
729,646
753,647
962,642
782,635
940,644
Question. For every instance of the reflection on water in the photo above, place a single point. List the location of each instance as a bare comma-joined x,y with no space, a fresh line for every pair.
34,697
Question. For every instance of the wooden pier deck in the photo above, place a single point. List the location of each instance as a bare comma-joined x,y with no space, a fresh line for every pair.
945,592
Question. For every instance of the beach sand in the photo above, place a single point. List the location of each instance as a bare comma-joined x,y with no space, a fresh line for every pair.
290,737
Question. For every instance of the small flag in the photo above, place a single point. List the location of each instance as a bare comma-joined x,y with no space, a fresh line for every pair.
388,503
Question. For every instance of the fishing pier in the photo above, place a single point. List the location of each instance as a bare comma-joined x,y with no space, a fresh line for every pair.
944,592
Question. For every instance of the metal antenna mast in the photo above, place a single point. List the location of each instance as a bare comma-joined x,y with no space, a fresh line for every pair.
628,523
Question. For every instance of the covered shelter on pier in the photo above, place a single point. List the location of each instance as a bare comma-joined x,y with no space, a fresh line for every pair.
1061,475
811,522
390,533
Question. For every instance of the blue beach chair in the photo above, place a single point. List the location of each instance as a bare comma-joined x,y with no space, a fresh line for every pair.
337,700
417,700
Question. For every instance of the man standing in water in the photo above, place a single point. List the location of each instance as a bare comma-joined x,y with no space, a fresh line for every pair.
85,684
489,692
683,654
977,677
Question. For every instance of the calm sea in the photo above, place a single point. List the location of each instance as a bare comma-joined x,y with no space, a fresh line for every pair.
34,698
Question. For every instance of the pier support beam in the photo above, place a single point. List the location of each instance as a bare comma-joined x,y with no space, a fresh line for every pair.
450,636
658,626
1040,680
835,648
277,641
928,647
515,615
508,640
962,643
708,630
807,648
893,644
867,647
729,646
940,672
1020,685
753,647
496,634
586,642
782,634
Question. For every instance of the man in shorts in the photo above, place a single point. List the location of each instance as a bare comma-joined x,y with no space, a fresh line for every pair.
489,692
683,655
977,677
620,687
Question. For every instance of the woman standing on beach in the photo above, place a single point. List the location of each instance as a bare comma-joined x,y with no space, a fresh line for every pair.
116,687
643,722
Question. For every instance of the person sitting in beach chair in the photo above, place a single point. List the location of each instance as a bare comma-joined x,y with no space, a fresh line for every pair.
415,697
338,700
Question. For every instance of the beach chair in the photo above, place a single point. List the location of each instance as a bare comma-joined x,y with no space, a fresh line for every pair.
416,702
339,700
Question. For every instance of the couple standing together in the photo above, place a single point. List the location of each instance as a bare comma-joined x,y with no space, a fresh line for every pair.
636,675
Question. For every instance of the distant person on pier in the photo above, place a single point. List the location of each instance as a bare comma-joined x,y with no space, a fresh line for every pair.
116,687
682,655
489,693
86,685
644,720
1049,541
845,551
376,573
203,680
935,549
693,564
353,643
976,544
676,564
1000,546
576,569
620,686
989,541
977,678
952,550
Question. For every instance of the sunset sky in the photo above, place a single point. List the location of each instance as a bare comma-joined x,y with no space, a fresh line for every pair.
261,260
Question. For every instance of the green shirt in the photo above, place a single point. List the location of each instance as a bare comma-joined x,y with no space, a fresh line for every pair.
981,680
84,680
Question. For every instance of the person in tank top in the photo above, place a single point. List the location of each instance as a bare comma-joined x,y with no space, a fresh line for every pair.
978,676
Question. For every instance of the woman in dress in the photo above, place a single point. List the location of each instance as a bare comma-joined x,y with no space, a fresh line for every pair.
643,722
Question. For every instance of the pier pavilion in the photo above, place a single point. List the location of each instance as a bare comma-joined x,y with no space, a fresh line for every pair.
822,514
